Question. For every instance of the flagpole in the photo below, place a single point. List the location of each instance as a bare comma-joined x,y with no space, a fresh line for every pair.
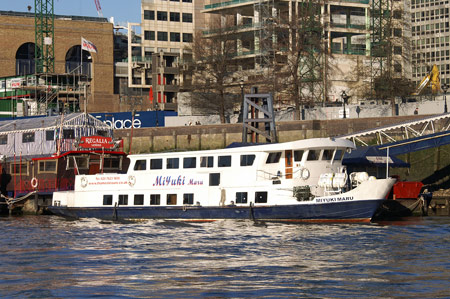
81,53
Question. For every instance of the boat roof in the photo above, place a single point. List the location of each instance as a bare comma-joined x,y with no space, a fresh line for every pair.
314,143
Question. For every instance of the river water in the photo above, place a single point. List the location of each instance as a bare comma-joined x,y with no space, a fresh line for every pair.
50,257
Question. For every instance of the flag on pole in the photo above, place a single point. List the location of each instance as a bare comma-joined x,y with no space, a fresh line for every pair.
88,46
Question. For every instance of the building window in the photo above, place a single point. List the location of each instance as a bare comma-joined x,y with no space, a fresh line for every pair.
47,166
261,197
187,17
247,160
28,137
49,135
162,36
149,35
397,67
155,199
188,199
187,37
397,50
189,162
3,139
77,162
298,156
171,199
123,199
224,161
139,199
174,16
174,37
155,163
173,163
187,1
398,32
149,14
107,199
161,15
241,197
207,161
140,165
214,179
273,158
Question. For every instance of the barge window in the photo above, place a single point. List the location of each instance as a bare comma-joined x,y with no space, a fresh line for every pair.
189,162
49,135
327,154
112,162
247,160
224,161
241,197
173,163
81,162
155,163
4,139
188,199
123,199
19,168
273,158
107,199
155,199
47,166
261,197
138,199
214,179
140,165
28,137
207,161
171,199
338,155
298,155
68,134
313,155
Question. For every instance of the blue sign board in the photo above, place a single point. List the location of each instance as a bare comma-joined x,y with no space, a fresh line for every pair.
142,119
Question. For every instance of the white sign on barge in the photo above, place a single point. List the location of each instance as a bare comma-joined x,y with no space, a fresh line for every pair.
299,181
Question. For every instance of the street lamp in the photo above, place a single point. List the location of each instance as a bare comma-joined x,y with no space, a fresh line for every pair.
344,101
156,109
241,113
444,88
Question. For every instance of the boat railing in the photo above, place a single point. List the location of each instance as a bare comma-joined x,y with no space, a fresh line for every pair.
266,175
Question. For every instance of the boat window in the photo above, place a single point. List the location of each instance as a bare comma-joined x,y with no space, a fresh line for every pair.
112,163
261,197
173,163
207,161
298,155
140,165
49,135
107,199
188,199
82,162
171,199
155,163
214,179
247,160
3,139
313,155
224,161
338,155
28,137
189,162
327,154
19,168
69,134
138,199
123,199
155,199
273,158
241,197
47,166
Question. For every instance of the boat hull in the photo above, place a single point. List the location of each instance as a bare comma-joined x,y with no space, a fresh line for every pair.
352,211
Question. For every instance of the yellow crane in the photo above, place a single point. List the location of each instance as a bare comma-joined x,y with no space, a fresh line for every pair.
431,78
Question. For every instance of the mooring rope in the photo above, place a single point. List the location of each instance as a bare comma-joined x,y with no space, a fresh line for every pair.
11,200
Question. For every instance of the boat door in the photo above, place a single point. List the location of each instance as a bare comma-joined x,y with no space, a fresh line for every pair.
288,163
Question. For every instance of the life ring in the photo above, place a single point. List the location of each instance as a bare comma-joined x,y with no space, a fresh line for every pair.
84,181
305,174
34,182
131,180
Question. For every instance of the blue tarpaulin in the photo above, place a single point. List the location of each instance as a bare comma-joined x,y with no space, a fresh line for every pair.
371,156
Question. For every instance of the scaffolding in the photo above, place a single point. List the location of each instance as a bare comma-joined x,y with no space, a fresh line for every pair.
44,36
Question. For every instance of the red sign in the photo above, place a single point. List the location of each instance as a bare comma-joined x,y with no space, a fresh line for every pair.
96,142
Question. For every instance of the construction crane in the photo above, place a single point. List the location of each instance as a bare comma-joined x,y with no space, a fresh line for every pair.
98,7
431,78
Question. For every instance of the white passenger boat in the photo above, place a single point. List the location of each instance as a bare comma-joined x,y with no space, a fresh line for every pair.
299,181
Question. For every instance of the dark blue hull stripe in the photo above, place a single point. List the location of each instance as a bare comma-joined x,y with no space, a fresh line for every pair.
327,211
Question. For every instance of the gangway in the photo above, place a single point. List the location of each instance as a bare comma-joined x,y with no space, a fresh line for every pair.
402,131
